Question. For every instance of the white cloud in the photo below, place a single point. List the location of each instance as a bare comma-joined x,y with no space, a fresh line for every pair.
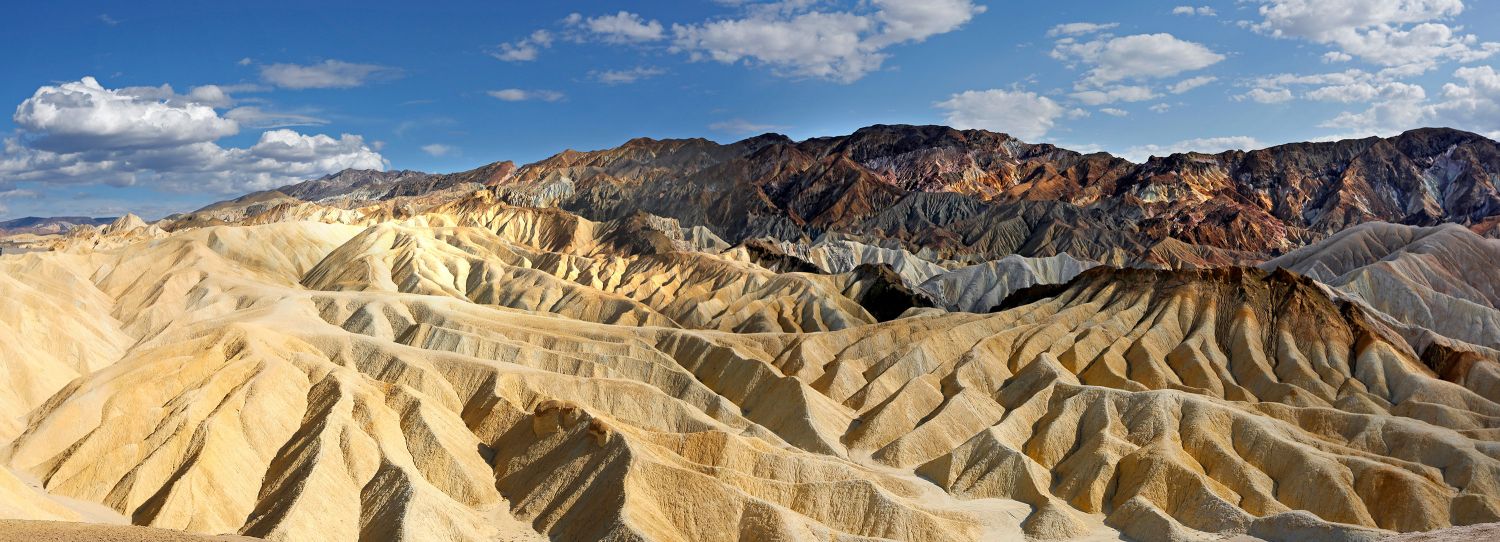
1470,102
625,77
1114,112
1384,32
1266,96
822,45
525,49
622,27
1136,57
1191,83
1282,80
904,20
1382,118
84,115
326,74
1121,93
255,117
1334,57
1160,108
1023,114
1078,29
106,19
1421,45
81,132
1204,11
1366,92
438,149
1348,86
742,126
210,95
796,40
1210,145
1329,20
522,95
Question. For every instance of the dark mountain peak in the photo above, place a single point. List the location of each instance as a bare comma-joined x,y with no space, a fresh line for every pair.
768,138
1423,142
666,145
893,139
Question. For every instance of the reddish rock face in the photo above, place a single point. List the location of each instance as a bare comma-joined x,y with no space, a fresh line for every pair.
980,195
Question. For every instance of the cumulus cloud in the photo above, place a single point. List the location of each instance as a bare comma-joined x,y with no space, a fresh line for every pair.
625,77
1381,32
622,27
1348,86
1079,29
210,95
81,132
84,115
822,45
525,49
1209,145
1329,20
1282,80
795,39
279,157
1204,11
1334,57
903,20
1137,57
523,95
1266,96
1124,68
1381,118
1023,114
1366,92
1114,112
325,74
1471,101
1121,93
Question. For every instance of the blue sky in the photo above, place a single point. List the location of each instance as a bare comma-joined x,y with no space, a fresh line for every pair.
268,93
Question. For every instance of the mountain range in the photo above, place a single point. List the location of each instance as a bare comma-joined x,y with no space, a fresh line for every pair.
49,225
974,195
906,333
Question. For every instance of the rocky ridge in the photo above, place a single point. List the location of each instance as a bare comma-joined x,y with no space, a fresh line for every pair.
908,333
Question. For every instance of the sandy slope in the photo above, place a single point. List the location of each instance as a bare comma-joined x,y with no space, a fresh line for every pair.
50,531
491,372
1441,278
1469,533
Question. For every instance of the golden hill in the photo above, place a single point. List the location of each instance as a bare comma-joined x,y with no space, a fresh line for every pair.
476,371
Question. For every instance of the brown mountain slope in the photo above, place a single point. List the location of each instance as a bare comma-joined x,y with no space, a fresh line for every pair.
968,194
1266,200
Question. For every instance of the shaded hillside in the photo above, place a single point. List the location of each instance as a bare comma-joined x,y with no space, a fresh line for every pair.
966,195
